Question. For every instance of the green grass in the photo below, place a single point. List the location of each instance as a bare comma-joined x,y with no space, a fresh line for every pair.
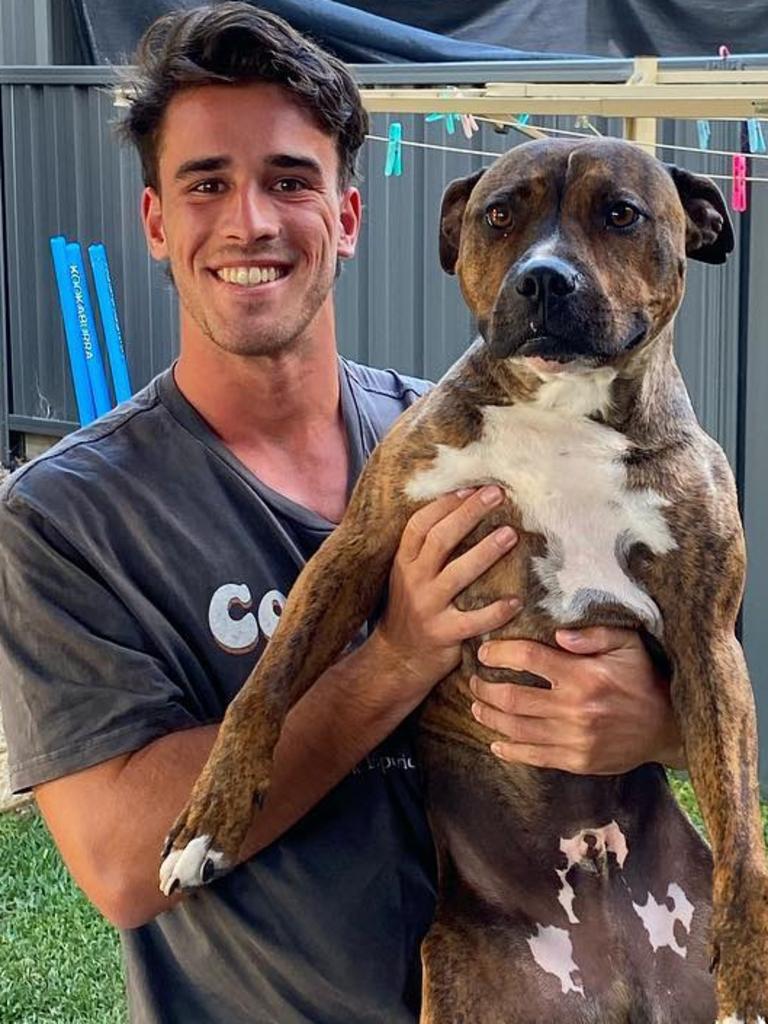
683,790
59,959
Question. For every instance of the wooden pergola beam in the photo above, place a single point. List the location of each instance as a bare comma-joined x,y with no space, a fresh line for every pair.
647,94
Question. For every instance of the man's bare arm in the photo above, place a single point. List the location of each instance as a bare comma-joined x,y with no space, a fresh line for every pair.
109,821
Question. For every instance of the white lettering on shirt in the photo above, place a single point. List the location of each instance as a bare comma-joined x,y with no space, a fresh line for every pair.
234,626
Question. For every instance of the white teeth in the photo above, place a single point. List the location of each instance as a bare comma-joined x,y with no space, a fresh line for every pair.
249,275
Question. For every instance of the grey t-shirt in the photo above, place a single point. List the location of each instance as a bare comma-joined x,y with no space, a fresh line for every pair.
143,569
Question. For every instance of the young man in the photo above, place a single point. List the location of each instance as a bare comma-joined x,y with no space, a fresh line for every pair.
146,559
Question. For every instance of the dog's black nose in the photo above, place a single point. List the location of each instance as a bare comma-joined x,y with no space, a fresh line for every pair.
540,280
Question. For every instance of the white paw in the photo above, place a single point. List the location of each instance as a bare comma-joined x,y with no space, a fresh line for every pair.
734,1019
190,867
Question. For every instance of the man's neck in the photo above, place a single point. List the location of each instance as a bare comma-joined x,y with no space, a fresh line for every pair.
280,415
266,397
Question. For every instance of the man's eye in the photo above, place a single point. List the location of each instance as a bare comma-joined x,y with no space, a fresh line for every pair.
499,215
211,186
622,215
290,185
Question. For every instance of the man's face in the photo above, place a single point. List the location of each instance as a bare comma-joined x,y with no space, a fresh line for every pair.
249,215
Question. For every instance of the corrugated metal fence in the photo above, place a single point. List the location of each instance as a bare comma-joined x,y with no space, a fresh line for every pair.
62,172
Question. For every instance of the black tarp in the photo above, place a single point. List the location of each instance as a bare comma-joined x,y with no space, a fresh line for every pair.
386,31
110,29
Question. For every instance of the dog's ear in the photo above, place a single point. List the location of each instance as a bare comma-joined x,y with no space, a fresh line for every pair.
454,203
709,232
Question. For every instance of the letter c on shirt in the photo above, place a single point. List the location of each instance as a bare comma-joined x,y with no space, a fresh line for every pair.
235,635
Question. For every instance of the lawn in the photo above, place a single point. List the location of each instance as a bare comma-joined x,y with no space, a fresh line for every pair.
59,960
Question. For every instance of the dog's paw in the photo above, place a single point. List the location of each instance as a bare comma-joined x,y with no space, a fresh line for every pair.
206,837
195,864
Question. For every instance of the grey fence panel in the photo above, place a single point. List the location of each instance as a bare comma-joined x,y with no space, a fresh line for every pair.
707,328
65,174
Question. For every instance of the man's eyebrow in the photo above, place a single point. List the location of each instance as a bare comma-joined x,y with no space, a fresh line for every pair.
282,161
202,164
290,162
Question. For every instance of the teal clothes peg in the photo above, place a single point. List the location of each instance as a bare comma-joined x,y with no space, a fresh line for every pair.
394,164
755,135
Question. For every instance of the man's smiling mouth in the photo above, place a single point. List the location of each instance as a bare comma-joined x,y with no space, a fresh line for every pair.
249,276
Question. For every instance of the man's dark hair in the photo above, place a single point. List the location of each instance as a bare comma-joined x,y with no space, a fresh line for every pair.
234,42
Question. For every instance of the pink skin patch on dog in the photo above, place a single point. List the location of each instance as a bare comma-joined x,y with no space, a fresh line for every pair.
659,919
552,950
585,848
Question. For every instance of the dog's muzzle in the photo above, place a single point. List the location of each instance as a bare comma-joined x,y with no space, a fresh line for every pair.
547,308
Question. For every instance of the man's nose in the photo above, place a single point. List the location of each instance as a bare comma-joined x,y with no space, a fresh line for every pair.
544,279
251,215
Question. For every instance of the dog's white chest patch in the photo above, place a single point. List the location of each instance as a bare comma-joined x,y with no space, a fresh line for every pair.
659,919
552,950
566,476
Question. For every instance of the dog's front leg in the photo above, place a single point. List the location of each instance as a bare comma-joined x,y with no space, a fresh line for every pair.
327,605
714,706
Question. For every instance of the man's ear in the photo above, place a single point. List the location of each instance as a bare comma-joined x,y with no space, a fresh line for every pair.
452,209
709,232
152,221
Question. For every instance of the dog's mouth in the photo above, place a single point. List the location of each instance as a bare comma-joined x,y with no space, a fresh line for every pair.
554,352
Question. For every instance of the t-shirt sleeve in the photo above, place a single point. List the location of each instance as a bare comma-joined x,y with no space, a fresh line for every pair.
79,682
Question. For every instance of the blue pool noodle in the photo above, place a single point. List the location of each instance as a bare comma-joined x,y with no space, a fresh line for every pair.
105,296
86,410
87,328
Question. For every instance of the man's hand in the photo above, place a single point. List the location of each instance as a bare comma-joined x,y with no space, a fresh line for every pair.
607,712
421,630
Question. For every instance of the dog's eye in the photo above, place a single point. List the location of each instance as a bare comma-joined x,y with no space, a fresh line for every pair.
499,215
622,215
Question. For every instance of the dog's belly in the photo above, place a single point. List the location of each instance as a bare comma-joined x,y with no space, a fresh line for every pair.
566,478
563,899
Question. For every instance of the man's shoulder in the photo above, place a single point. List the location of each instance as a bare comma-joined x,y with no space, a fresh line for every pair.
386,384
112,445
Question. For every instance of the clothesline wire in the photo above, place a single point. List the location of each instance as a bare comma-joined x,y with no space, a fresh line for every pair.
581,135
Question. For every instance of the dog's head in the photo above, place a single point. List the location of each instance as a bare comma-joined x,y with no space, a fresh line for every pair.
575,252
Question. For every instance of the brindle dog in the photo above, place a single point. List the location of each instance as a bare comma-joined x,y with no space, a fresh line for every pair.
584,900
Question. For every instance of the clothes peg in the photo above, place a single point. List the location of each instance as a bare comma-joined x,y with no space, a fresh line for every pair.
394,164
449,119
704,130
469,125
739,191
755,134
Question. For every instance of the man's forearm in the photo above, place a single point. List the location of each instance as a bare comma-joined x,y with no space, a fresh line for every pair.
350,709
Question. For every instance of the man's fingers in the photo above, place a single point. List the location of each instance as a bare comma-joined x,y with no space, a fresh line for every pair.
465,625
515,699
596,639
460,572
443,536
542,756
515,728
525,656
422,521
